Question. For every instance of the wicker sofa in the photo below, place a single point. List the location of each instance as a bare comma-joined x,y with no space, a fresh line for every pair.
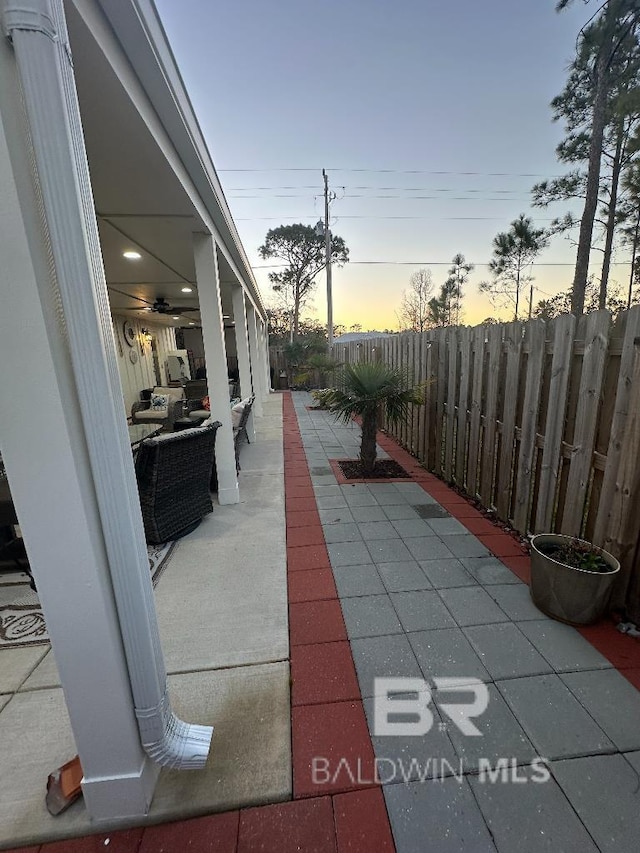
173,471
153,411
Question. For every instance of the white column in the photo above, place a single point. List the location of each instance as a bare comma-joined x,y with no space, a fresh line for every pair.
267,357
215,353
257,360
242,350
71,471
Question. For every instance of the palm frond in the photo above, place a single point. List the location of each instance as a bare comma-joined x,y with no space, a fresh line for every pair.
369,387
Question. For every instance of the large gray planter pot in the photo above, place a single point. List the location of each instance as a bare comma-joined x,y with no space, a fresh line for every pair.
565,593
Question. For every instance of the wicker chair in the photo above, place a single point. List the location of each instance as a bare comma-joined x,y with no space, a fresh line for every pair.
173,473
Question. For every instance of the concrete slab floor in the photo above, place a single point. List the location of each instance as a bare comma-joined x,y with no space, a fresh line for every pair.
222,611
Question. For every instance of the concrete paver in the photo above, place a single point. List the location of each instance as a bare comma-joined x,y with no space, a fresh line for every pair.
552,717
551,694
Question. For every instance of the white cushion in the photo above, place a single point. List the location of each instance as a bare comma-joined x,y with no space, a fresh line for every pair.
236,414
169,391
151,415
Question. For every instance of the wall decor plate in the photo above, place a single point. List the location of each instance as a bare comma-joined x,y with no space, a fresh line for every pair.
129,332
133,356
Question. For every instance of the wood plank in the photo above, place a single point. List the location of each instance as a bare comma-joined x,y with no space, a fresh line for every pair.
513,342
463,404
491,416
596,340
440,398
416,410
603,532
624,522
432,390
422,412
452,351
564,328
535,335
476,411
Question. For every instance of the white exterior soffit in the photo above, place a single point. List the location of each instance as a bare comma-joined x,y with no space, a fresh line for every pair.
38,33
139,31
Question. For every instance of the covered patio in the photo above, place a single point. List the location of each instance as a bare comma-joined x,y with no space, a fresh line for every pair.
110,206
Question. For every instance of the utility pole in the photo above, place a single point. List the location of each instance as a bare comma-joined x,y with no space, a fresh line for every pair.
327,247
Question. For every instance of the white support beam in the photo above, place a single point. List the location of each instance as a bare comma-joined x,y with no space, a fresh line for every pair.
267,357
215,353
257,360
242,351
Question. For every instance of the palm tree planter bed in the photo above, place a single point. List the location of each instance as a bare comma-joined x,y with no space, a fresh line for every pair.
383,469
369,391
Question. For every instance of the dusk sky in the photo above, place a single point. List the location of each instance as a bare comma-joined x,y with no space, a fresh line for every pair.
396,99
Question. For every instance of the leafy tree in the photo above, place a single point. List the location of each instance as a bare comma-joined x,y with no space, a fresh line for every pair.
303,252
574,107
414,309
552,307
615,21
458,276
310,330
368,390
513,252
439,307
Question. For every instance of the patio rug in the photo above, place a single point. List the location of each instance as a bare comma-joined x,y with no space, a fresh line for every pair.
21,619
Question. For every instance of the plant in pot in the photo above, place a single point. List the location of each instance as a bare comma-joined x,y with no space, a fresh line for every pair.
368,390
571,579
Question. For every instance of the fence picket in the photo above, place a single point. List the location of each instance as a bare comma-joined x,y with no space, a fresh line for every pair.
563,334
593,364
463,403
450,411
476,410
513,343
494,335
535,341
440,397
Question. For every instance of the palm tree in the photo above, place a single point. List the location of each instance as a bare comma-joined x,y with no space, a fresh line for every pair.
370,389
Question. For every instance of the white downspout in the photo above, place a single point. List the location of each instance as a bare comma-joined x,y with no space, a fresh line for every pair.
38,32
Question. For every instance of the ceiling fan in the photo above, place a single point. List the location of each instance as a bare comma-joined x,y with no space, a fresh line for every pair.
163,306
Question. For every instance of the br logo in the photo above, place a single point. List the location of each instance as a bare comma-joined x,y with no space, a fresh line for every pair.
414,711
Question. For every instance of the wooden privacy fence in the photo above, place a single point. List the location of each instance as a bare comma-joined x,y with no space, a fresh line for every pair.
539,421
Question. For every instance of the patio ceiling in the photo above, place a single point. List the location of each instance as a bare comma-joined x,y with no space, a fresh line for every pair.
140,201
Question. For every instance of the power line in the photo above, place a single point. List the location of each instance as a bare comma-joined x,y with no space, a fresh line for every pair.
348,216
403,197
399,172
432,264
380,189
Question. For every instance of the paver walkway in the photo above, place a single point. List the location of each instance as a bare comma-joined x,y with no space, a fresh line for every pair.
406,579
423,597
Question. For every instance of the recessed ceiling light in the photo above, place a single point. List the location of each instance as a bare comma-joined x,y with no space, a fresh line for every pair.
131,255
191,323
175,318
226,317
186,289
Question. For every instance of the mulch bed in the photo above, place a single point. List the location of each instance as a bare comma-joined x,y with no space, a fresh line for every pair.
384,469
